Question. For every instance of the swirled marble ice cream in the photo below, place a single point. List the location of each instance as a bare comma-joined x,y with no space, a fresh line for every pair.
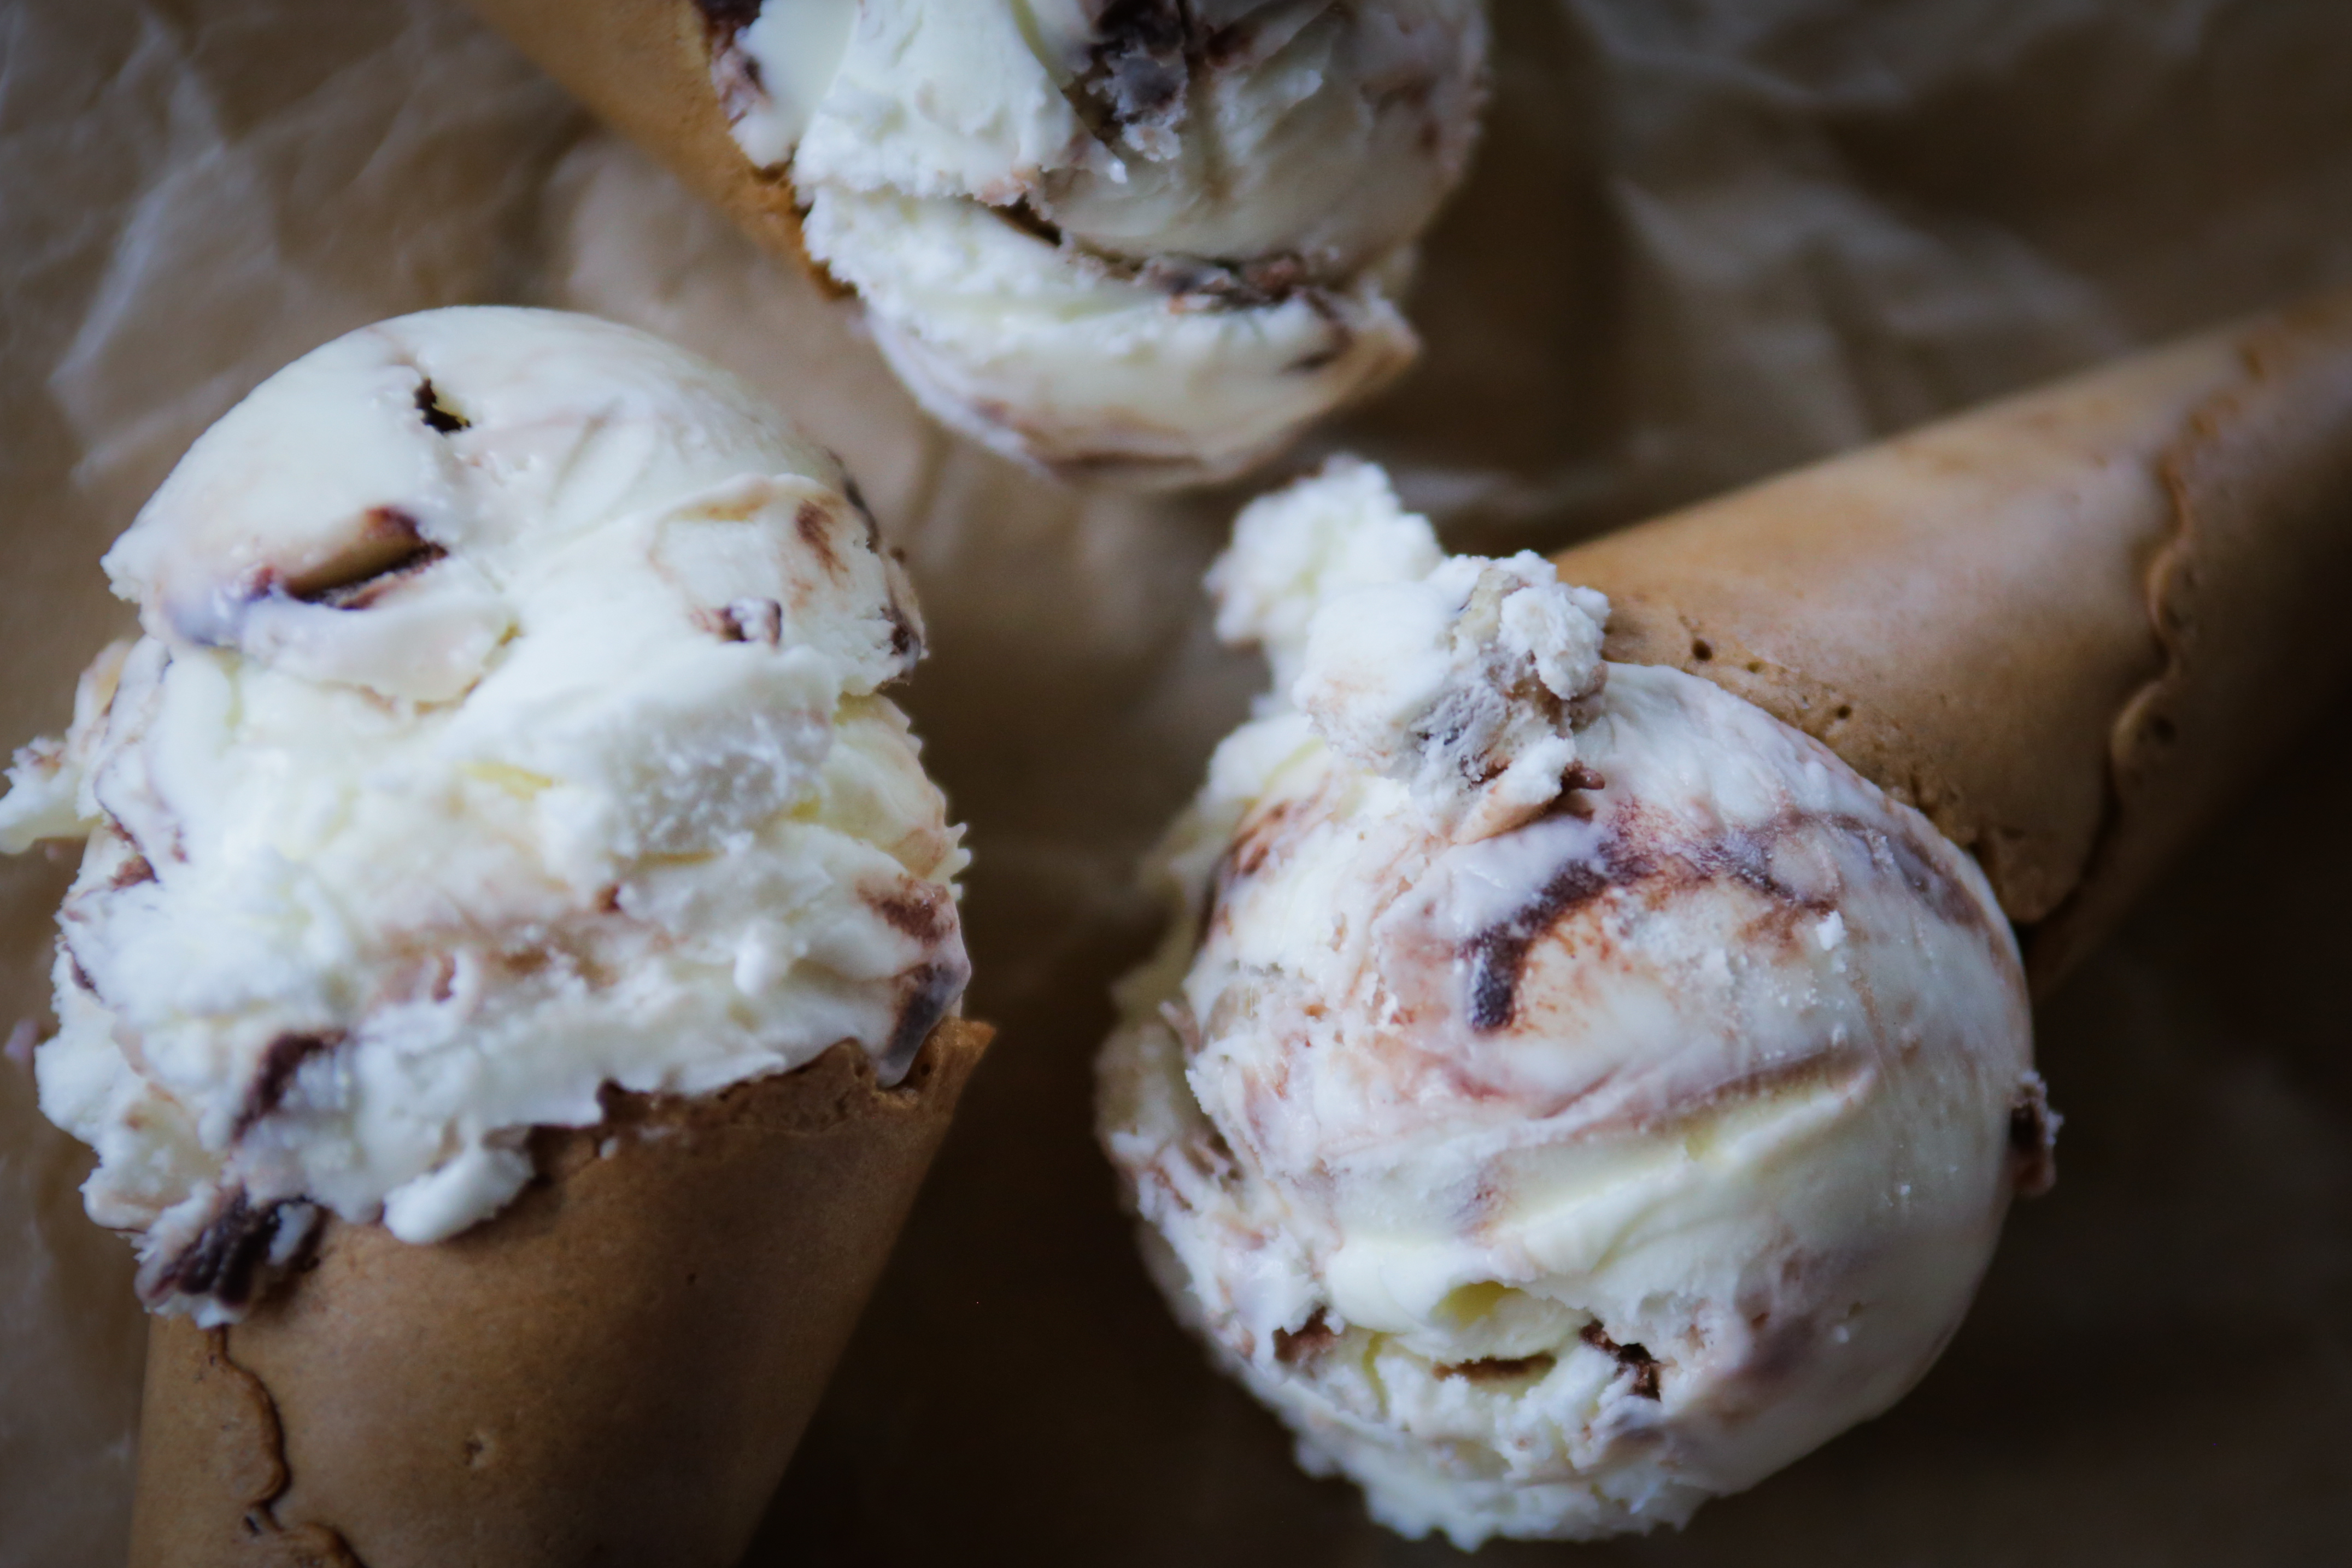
507,725
1566,1093
1148,240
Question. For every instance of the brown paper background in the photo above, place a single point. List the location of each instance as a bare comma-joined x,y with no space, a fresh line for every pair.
1703,241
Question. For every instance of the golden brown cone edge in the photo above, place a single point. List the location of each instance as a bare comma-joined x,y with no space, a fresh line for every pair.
615,1369
2067,626
644,66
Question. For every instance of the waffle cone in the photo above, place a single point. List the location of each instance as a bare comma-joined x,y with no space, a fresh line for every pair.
645,67
615,1369
2065,626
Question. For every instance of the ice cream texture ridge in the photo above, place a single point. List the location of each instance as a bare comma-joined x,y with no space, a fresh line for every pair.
1148,240
1565,1092
507,724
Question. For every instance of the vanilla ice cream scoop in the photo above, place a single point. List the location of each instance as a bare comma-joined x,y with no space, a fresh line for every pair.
1150,240
507,725
1566,1093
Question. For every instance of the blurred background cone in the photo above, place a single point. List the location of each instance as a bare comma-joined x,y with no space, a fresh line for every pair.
615,1369
645,67
2067,626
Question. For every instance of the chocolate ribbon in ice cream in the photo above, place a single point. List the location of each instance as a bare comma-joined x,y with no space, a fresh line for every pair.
1148,242
1584,1072
509,982
1566,1092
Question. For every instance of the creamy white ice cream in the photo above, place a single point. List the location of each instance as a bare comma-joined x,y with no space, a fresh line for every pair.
507,725
1133,238
1566,1093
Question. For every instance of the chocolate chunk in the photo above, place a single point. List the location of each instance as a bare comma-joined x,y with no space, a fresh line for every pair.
1021,215
758,621
1633,1358
761,620
280,1059
1312,1339
389,549
131,872
1137,71
1499,1368
442,419
745,620
2032,1139
224,1261
905,642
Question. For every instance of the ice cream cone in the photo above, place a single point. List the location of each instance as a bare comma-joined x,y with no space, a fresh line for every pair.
1142,246
2065,626
645,67
615,1369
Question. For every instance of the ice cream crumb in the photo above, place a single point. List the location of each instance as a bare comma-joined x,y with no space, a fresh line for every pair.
1456,677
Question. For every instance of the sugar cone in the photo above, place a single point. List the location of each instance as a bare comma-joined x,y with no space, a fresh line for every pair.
645,67
2065,626
614,1370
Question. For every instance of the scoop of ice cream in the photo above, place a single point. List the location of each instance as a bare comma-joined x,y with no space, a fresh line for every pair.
507,725
1153,239
1566,1092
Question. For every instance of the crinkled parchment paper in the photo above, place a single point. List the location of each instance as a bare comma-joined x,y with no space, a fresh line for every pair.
1705,240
